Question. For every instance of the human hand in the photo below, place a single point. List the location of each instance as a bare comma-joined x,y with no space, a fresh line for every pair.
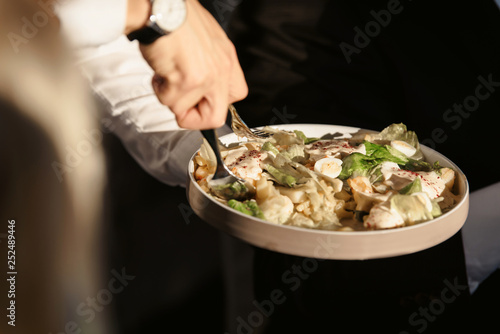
197,72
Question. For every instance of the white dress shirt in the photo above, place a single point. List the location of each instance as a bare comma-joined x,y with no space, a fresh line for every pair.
91,22
121,79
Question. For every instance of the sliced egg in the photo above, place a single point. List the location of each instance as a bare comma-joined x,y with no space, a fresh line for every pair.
329,167
404,147
361,149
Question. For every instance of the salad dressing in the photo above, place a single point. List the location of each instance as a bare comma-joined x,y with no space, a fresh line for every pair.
332,148
432,184
246,163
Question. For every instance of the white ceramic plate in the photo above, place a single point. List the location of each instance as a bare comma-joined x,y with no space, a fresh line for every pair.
331,244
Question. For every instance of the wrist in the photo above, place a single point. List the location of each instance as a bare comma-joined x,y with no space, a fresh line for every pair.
138,12
164,17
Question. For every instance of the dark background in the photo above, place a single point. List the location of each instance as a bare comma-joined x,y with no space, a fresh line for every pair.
179,284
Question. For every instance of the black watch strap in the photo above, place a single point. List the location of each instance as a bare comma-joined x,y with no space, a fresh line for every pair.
146,35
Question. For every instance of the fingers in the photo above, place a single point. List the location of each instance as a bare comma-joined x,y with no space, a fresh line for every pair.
198,100
204,115
197,72
238,88
179,95
199,96
200,106
196,108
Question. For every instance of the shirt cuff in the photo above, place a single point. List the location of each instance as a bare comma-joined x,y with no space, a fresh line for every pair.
91,22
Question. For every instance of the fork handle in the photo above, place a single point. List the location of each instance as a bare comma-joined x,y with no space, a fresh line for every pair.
213,141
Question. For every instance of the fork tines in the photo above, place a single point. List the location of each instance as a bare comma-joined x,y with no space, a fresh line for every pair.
242,130
261,133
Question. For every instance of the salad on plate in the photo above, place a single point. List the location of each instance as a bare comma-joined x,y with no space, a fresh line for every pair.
369,181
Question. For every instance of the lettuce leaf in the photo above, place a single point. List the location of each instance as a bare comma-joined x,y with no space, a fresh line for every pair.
358,164
413,187
248,207
295,153
400,132
413,209
268,146
232,190
307,140
283,177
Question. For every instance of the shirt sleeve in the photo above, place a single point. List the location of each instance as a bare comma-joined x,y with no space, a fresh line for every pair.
91,22
121,80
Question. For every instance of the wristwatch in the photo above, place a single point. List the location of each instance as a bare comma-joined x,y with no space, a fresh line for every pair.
166,16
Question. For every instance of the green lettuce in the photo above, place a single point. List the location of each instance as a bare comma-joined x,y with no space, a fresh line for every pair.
282,176
412,209
295,153
413,187
232,190
400,132
358,164
307,140
268,146
248,207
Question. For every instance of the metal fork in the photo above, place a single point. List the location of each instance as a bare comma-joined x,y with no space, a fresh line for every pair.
242,130
224,183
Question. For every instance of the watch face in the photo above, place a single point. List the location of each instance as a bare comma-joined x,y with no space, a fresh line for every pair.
169,14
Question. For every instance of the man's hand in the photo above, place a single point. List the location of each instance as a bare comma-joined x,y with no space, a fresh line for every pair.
197,72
